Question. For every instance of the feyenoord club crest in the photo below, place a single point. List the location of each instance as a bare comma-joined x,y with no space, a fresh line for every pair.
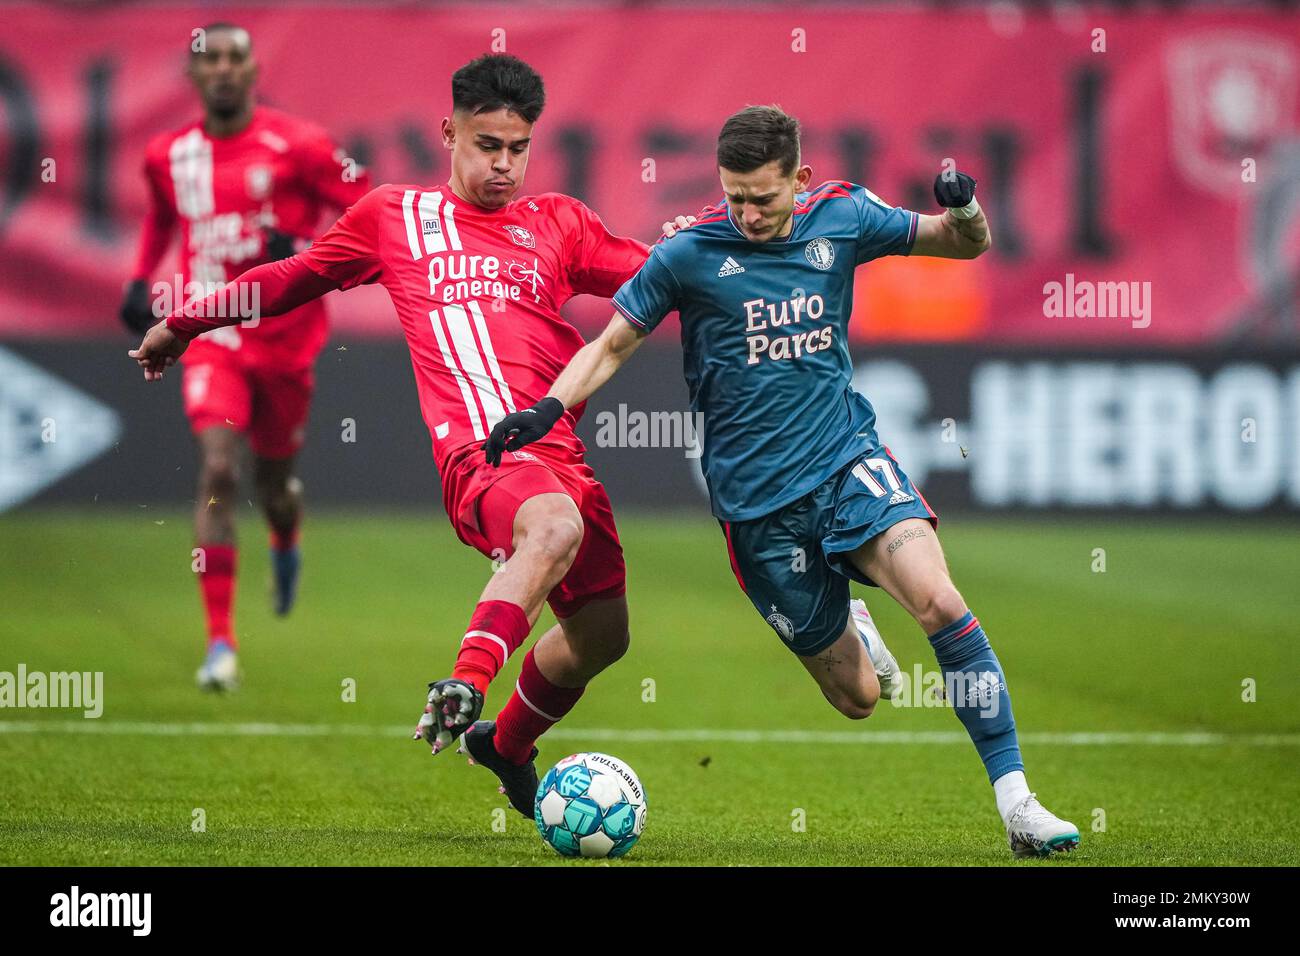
781,624
521,236
257,179
1230,96
820,253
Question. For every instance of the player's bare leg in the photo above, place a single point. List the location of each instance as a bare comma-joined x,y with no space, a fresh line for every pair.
280,493
555,673
913,571
220,452
845,675
907,561
547,533
578,648
858,669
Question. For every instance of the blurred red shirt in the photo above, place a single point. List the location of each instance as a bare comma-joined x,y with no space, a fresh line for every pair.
280,172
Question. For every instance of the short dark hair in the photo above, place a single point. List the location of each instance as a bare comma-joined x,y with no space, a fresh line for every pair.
757,135
498,81
222,26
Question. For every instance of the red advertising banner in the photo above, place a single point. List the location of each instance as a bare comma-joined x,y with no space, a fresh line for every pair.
1141,170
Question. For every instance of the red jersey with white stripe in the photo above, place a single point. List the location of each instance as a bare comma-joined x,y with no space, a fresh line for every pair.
280,172
478,292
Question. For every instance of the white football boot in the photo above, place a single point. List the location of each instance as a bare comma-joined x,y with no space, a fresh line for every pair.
220,670
887,671
1033,830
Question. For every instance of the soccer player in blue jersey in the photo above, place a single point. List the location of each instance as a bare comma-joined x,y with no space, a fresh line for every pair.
764,286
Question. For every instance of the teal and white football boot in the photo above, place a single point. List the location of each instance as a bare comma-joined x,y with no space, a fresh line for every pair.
1033,830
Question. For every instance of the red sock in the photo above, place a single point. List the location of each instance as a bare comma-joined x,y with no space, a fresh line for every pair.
532,709
217,582
495,632
284,540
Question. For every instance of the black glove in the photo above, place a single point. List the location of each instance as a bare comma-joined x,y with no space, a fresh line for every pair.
137,311
955,192
278,245
522,428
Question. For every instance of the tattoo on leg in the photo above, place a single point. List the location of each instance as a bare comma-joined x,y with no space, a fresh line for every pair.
903,538
829,660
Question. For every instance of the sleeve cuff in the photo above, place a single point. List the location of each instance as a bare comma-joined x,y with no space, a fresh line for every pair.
178,326
630,317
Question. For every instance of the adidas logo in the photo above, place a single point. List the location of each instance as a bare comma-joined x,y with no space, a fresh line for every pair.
899,498
730,268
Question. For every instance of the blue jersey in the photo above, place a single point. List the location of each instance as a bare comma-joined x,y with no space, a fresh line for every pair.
765,341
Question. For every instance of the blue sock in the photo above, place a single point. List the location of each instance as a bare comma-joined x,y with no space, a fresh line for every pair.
973,680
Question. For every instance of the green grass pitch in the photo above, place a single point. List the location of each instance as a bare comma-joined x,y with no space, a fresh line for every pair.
1158,647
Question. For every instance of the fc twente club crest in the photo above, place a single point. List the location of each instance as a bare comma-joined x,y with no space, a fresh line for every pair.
1230,96
257,179
521,236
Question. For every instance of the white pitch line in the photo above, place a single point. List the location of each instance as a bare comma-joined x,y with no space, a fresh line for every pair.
643,735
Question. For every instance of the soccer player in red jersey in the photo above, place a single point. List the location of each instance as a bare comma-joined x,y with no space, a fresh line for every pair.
477,275
243,183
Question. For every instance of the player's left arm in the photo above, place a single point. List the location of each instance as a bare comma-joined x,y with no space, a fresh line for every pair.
599,262
604,261
962,231
591,367
334,178
642,302
136,311
326,174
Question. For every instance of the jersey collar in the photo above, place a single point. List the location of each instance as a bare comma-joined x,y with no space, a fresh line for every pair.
254,124
794,225
461,202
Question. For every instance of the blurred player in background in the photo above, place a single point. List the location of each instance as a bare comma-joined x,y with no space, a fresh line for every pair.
764,285
477,277
247,184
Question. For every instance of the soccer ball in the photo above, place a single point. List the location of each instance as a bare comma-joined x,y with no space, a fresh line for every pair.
590,805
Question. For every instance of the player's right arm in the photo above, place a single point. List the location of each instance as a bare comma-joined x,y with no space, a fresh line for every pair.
642,303
345,257
136,312
596,362
591,367
277,287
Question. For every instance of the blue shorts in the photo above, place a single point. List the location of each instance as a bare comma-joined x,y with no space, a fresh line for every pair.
793,562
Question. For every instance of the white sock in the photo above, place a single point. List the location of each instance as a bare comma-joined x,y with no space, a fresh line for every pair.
1010,789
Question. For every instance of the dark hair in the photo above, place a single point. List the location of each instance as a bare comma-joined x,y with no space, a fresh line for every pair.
498,81
757,135
222,26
